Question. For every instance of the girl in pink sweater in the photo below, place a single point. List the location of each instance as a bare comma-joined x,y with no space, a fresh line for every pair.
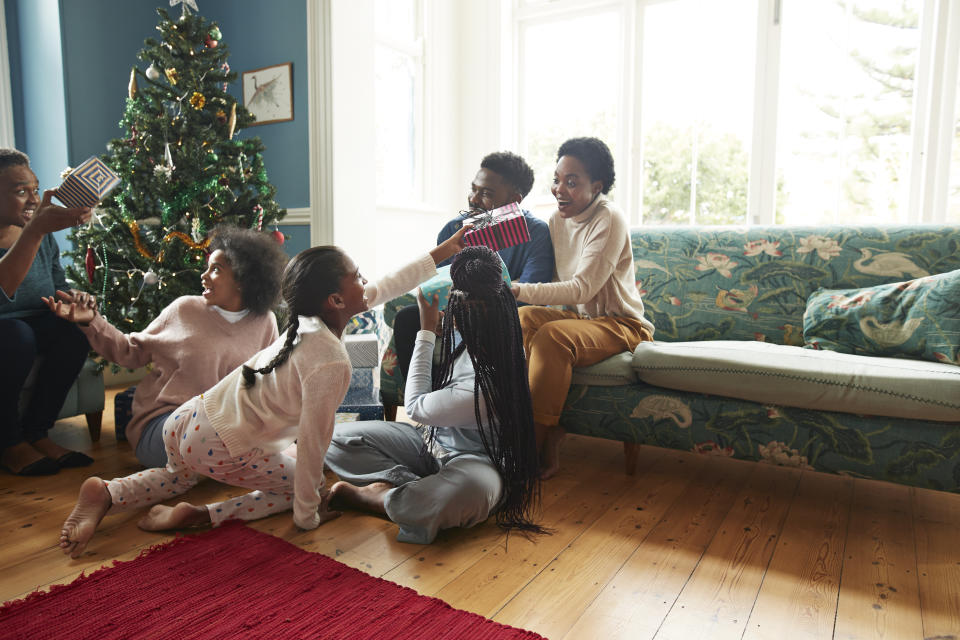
196,340
237,431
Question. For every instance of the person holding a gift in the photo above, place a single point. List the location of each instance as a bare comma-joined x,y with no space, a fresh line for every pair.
30,269
478,455
196,340
595,283
504,178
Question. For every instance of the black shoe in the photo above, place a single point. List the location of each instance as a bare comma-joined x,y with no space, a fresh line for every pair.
74,459
42,467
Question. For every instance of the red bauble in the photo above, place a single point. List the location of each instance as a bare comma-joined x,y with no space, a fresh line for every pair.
278,236
211,42
90,262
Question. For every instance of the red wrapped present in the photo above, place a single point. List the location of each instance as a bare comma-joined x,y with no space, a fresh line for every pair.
498,228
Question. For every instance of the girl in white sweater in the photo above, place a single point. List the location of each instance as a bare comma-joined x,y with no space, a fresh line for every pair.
236,432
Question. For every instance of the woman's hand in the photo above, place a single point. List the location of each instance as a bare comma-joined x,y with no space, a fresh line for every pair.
451,246
430,315
70,311
81,298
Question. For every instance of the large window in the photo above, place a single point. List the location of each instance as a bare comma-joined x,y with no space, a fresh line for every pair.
750,111
398,68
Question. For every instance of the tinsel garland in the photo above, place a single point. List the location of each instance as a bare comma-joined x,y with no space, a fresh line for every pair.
142,250
187,240
106,272
179,203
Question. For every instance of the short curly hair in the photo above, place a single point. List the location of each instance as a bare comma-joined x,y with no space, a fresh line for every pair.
595,156
13,158
512,168
257,262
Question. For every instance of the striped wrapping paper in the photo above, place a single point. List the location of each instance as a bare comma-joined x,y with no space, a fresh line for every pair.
498,228
87,184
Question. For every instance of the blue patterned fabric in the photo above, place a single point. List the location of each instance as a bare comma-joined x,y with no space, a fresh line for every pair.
916,319
753,283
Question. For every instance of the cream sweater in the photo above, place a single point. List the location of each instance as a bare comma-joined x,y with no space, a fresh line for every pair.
299,399
191,347
594,266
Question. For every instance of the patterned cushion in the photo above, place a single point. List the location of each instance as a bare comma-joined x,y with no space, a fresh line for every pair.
917,319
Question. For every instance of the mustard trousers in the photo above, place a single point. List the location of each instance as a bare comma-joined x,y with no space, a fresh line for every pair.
556,341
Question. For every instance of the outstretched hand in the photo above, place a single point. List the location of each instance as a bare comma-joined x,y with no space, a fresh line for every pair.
76,306
50,217
451,246
430,314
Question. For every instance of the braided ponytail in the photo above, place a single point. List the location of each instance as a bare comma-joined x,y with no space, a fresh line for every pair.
311,276
484,311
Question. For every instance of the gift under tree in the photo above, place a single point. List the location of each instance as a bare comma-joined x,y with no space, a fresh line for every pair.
182,171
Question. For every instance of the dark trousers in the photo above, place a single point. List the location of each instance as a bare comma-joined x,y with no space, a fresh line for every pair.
405,326
63,349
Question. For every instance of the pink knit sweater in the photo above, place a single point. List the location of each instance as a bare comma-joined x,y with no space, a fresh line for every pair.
191,347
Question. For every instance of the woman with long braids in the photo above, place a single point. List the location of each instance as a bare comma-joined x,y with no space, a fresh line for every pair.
478,453
237,431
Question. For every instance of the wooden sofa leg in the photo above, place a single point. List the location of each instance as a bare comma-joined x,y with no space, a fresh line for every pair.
631,454
389,412
94,422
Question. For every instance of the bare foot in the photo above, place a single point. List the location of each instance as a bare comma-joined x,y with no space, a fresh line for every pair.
368,498
92,504
18,456
550,454
161,517
49,448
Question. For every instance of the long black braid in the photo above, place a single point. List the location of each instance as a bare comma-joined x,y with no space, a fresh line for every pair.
311,276
484,312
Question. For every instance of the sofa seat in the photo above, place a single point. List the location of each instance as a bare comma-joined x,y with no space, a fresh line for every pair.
804,378
86,396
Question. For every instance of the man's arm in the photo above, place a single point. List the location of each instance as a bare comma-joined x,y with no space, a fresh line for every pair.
539,264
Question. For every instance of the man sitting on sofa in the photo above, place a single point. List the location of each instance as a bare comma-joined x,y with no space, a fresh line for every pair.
504,177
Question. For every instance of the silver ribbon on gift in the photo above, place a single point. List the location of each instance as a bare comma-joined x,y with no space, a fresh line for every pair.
479,218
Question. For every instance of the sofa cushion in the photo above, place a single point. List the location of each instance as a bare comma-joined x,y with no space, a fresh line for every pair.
918,318
806,378
612,372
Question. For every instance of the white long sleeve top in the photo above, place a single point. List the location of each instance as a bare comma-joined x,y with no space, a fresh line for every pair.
452,406
594,266
299,399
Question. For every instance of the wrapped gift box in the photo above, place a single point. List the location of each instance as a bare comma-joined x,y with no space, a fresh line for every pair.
498,228
87,184
440,284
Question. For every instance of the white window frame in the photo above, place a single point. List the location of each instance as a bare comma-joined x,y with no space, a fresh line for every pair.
933,121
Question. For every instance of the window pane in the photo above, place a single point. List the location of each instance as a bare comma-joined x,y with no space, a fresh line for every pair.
570,87
396,19
846,99
697,110
953,201
396,124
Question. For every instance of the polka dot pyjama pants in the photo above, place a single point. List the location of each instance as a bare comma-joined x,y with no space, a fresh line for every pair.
194,449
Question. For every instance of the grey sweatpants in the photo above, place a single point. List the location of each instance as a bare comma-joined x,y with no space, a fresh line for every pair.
430,493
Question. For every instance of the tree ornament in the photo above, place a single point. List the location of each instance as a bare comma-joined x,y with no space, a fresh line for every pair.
226,70
224,181
90,263
167,156
221,116
153,73
232,122
215,32
150,278
210,42
278,236
172,75
197,100
132,85
259,211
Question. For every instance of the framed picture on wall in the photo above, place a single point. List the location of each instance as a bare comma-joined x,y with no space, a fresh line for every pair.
268,93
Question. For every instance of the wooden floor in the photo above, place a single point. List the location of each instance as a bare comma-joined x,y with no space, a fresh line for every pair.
692,547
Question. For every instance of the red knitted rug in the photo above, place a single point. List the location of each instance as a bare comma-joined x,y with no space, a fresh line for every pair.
235,582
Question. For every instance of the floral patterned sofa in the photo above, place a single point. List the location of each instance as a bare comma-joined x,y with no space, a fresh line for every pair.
753,284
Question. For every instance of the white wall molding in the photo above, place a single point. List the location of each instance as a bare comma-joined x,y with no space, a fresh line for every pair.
301,215
7,131
320,213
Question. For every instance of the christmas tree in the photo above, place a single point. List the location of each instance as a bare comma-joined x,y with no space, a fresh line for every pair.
182,172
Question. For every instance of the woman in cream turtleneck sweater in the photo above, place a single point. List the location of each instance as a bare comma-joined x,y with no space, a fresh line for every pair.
594,282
